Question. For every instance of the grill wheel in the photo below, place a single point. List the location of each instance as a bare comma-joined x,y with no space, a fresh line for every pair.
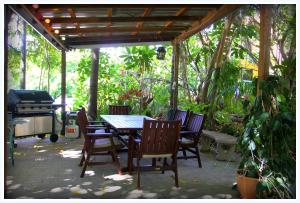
53,137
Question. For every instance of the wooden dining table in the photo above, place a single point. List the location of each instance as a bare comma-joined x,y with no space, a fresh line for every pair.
130,123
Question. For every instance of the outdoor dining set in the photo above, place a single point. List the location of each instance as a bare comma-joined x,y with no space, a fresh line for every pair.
143,137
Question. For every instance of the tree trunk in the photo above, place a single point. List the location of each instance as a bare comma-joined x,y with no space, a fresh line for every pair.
92,105
218,62
215,61
264,43
183,68
174,77
23,58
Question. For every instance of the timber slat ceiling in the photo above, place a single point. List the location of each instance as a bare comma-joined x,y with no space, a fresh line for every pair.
91,24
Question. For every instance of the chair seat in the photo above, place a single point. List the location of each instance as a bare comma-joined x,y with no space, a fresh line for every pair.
99,143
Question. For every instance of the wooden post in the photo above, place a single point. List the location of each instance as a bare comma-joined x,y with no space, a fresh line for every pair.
63,90
92,105
23,57
174,76
7,15
264,43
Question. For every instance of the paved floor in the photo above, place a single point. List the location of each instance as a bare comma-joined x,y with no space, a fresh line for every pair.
50,170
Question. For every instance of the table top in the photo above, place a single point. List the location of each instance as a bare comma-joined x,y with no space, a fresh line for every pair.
125,122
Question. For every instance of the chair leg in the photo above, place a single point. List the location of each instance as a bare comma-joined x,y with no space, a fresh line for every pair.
198,156
164,164
112,156
184,153
154,162
86,162
139,174
82,158
175,171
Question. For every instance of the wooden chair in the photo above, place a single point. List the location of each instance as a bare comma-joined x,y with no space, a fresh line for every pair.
96,142
189,138
159,140
182,116
118,110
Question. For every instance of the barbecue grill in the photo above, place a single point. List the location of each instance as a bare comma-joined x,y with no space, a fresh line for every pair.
37,107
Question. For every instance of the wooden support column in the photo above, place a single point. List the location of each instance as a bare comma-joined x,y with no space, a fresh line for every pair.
7,15
63,90
174,77
264,43
92,105
23,57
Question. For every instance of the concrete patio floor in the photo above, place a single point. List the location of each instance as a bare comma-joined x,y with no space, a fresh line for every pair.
50,170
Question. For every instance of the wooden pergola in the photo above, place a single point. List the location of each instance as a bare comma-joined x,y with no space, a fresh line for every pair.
69,26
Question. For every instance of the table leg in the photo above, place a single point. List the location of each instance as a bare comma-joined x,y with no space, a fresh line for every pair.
130,151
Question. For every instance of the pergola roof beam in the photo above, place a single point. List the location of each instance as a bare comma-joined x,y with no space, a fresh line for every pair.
124,19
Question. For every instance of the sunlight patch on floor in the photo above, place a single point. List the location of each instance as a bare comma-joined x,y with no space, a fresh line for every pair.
74,154
9,182
89,173
42,150
39,159
87,183
56,190
14,187
112,188
135,194
68,171
78,190
117,177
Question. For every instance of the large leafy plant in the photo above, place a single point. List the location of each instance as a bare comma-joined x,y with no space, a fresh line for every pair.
268,143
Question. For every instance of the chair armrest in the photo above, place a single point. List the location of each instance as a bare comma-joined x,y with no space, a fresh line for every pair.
94,127
99,135
187,132
102,123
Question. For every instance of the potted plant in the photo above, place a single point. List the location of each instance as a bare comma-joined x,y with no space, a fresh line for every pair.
268,138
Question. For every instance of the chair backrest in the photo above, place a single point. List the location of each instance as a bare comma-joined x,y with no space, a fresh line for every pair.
181,115
160,137
82,120
195,123
118,110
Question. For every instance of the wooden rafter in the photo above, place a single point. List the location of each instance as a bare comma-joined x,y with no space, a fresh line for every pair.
92,6
118,30
210,18
109,16
117,39
139,25
73,17
180,12
125,19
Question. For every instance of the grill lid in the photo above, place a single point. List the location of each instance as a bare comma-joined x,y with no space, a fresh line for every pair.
28,97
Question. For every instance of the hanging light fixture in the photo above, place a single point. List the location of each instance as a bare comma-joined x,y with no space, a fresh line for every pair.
56,32
47,20
160,53
35,6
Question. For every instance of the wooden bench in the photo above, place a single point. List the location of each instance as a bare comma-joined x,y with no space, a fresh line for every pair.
225,144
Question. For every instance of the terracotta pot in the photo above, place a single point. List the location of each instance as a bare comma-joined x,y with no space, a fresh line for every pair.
247,186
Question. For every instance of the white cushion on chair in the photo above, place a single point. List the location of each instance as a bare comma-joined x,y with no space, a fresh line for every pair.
186,141
156,155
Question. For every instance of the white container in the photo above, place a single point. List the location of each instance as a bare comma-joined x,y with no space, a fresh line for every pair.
72,131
